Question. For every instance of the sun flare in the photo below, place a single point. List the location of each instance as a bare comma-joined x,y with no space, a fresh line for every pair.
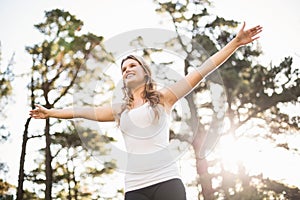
257,156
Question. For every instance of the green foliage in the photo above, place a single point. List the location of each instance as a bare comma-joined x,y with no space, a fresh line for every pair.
28,195
6,78
58,60
253,91
60,22
58,70
240,186
4,187
5,83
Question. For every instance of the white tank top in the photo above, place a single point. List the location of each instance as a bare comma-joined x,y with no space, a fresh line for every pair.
146,139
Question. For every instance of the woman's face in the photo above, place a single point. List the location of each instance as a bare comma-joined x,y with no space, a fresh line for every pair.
133,73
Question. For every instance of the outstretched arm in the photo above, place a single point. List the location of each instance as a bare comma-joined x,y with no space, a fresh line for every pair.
103,113
243,37
185,85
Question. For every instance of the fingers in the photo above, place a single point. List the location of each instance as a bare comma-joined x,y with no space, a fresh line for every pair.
34,113
243,27
37,112
38,106
255,30
37,109
255,38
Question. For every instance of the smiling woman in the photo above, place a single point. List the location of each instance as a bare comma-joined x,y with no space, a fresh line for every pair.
283,28
136,72
133,73
151,169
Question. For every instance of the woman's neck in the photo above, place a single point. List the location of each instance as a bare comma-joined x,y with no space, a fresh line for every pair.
137,96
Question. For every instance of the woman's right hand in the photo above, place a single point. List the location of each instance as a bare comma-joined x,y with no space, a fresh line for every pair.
39,112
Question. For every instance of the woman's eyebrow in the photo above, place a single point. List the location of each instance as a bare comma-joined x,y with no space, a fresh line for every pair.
129,65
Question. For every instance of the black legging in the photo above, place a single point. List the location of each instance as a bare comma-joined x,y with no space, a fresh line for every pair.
168,190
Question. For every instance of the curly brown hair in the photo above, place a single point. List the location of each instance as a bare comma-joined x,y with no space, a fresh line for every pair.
150,94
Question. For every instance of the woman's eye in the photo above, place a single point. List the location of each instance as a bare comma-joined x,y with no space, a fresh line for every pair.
130,66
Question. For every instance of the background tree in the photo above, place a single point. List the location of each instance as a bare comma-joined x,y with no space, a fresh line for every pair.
59,71
253,91
6,79
59,66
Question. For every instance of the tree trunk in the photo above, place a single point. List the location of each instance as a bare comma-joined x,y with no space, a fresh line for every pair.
22,162
75,185
69,187
49,169
205,179
202,167
201,163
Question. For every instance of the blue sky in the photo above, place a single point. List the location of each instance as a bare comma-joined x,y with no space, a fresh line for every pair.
280,19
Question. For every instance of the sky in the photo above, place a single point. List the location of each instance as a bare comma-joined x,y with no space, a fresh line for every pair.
280,38
280,20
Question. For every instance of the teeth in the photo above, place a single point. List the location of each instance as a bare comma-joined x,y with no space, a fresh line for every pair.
129,75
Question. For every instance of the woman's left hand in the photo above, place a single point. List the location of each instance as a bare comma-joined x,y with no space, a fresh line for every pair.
244,37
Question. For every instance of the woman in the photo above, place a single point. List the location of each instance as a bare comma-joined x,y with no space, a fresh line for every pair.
143,120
